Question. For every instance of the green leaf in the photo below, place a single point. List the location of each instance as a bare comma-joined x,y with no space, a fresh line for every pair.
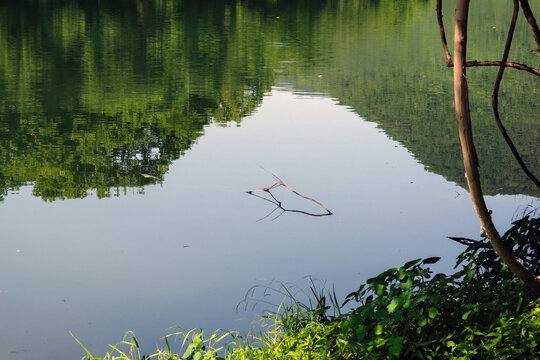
439,276
361,332
398,315
396,345
408,264
378,329
406,285
407,301
381,314
520,301
422,321
401,273
135,341
167,344
433,312
391,307
189,351
466,315
419,299
431,260
435,298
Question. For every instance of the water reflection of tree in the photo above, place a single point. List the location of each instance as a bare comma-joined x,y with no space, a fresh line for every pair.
398,85
85,107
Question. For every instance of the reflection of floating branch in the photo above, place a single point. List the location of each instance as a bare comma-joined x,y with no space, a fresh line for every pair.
278,204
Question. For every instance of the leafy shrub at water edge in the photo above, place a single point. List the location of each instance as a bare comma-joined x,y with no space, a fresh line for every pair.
481,311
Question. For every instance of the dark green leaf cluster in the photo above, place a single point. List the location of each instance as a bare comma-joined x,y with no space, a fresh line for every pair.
481,311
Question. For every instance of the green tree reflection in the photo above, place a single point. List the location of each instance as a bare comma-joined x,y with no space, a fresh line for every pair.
94,94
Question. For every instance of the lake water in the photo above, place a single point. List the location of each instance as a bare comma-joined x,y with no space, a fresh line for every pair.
348,102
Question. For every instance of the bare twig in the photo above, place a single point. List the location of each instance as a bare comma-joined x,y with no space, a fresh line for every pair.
276,202
495,99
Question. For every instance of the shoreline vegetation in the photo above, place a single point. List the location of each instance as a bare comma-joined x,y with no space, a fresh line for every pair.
482,311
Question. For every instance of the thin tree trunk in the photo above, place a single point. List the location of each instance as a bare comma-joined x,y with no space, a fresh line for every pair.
470,160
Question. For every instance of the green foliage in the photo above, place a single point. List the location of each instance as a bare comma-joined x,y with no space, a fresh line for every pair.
476,312
479,312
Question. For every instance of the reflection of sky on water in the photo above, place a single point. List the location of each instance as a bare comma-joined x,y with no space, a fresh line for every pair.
186,252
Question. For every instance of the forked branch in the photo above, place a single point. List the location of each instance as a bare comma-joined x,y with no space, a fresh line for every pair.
474,63
278,203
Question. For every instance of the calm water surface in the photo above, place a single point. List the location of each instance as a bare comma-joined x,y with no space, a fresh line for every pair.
347,102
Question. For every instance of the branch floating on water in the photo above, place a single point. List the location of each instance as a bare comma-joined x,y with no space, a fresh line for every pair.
278,204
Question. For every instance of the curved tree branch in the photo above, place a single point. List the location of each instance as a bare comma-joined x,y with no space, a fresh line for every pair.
461,99
495,98
532,22
512,65
518,66
443,35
